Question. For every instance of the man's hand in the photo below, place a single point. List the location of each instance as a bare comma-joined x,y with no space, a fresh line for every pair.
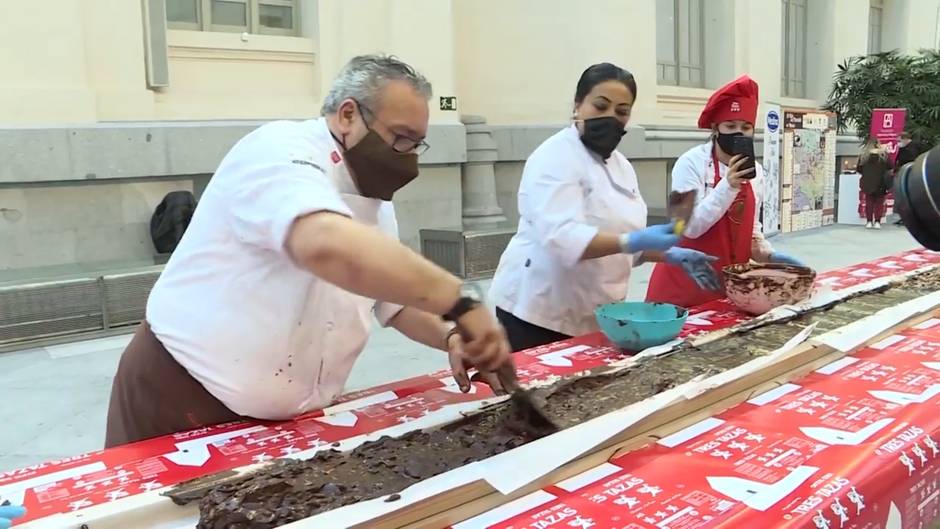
459,363
484,339
426,328
483,345
736,175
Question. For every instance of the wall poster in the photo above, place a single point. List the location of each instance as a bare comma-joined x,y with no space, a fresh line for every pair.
770,192
808,176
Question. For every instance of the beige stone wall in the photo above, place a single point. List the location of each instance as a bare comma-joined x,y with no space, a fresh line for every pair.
53,225
508,177
217,75
652,175
911,25
431,201
520,60
513,61
48,84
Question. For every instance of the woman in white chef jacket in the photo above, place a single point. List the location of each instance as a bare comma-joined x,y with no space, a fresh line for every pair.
582,222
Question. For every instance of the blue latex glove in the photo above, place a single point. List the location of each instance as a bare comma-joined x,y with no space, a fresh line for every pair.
8,513
696,265
782,258
653,238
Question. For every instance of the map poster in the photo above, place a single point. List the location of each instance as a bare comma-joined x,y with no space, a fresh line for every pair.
807,177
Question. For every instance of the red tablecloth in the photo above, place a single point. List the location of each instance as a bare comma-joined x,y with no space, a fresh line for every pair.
99,477
853,445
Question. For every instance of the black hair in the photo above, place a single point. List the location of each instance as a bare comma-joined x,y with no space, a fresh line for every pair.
599,73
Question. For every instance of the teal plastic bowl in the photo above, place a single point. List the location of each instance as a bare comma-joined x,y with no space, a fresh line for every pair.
636,326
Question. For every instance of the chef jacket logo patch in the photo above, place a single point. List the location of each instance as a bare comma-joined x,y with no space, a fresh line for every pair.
735,106
335,157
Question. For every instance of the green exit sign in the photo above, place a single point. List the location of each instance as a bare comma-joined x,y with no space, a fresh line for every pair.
449,103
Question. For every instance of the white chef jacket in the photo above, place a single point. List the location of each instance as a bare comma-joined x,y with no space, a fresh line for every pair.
567,195
268,339
695,170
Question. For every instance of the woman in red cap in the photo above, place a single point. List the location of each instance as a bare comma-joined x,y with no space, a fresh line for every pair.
724,223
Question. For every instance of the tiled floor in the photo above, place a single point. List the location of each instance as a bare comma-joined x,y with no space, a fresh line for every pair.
55,398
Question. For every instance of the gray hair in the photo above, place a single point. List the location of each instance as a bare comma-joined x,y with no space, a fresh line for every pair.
364,77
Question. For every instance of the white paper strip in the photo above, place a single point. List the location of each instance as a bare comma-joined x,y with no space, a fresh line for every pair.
510,471
745,369
587,477
838,365
887,342
769,396
757,495
659,349
691,432
833,436
849,337
903,399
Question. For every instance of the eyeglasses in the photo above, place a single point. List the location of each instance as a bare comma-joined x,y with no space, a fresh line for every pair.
401,144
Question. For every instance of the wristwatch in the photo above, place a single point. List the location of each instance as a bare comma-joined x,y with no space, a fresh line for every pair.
470,298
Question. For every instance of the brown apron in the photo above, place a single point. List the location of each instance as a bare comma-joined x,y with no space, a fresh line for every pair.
154,395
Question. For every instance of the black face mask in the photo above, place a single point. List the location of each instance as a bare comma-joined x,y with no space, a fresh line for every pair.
376,168
602,135
726,141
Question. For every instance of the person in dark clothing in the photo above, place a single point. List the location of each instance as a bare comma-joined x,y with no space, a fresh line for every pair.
907,153
875,167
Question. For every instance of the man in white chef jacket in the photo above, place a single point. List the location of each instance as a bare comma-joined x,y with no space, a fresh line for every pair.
269,298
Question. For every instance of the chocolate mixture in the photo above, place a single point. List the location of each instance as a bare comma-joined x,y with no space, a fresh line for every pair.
290,490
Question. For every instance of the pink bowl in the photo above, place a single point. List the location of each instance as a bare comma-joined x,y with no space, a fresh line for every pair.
758,288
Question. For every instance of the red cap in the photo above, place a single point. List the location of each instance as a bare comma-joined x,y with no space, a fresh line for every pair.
735,100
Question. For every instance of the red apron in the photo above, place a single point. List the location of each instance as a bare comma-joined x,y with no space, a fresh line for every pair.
729,240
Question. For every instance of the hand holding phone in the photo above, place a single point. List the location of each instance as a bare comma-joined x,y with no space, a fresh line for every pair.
744,146
736,175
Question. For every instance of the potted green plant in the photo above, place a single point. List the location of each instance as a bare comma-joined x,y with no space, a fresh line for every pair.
889,80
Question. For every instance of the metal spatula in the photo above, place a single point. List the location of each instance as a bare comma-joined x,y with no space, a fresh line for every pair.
531,417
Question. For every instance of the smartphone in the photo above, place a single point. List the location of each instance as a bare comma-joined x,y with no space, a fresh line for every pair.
745,145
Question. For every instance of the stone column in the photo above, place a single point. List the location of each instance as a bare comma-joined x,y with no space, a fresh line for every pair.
478,180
